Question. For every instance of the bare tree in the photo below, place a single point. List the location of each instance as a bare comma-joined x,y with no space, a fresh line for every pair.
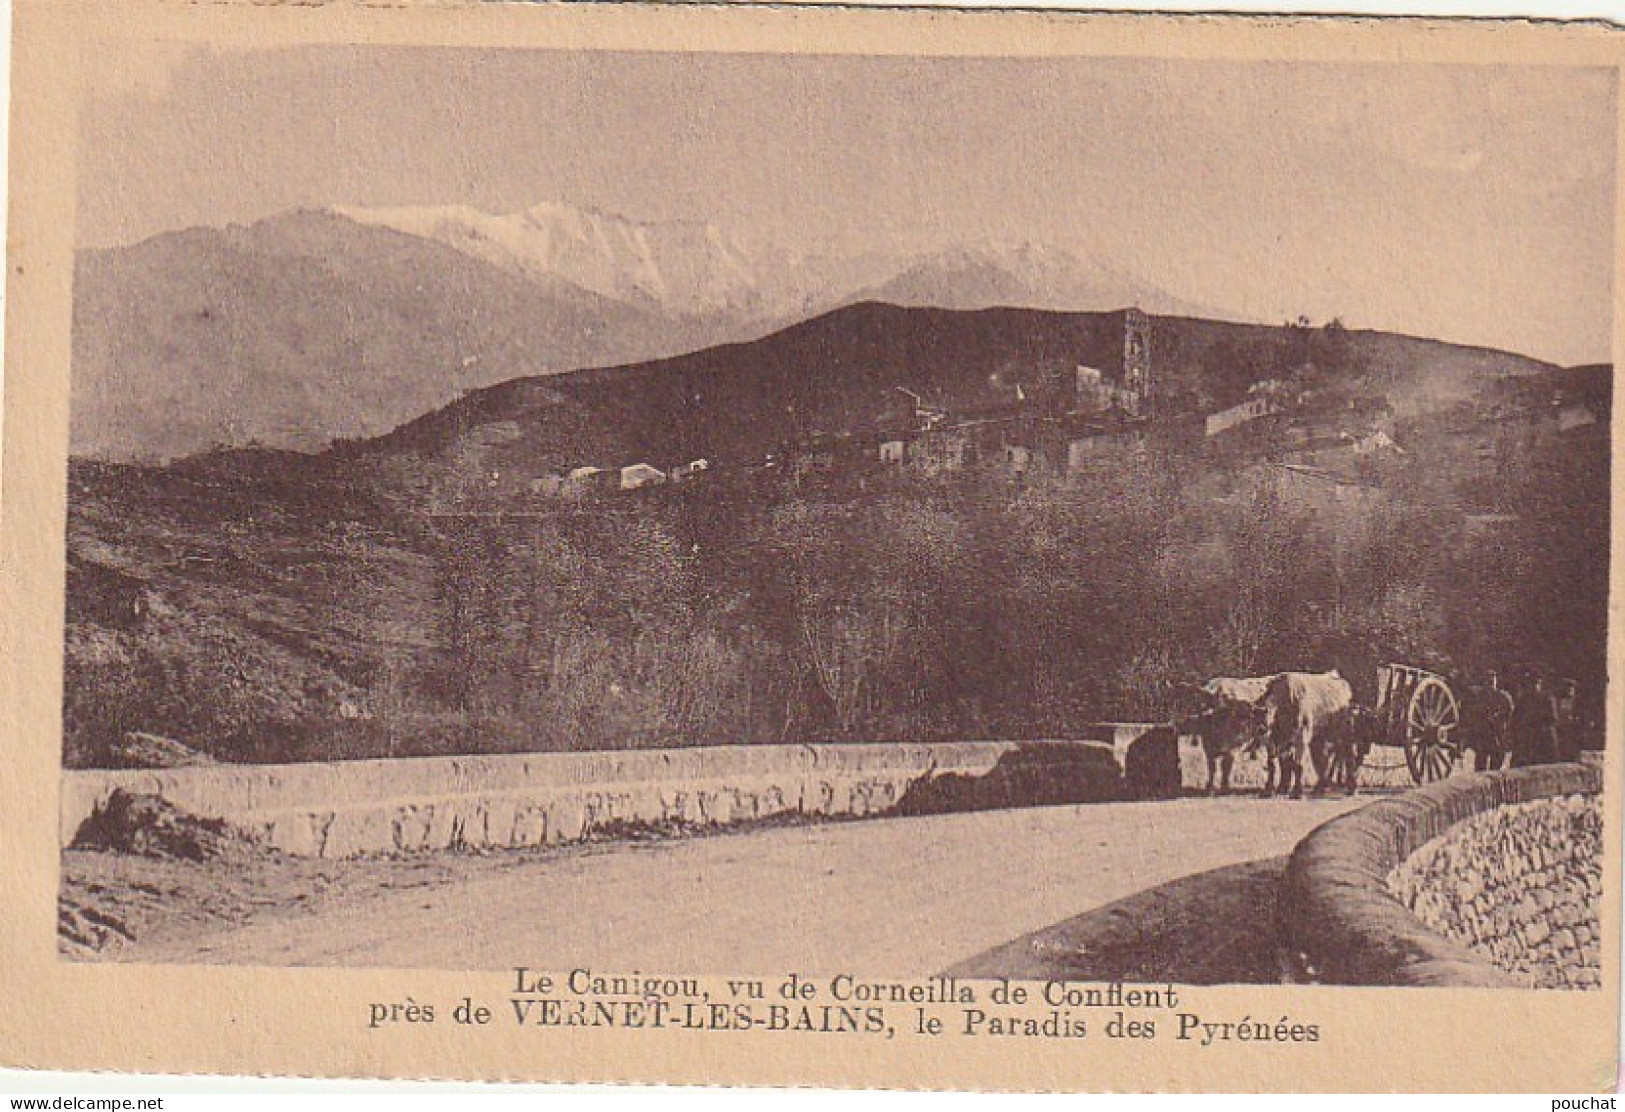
848,648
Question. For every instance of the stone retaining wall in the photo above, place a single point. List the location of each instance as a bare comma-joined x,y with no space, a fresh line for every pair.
1519,885
1502,871
348,808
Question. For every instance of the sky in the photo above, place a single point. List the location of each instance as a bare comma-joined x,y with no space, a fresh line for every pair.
1470,203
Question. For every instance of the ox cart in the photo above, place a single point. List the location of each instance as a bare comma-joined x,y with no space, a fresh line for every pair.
1418,712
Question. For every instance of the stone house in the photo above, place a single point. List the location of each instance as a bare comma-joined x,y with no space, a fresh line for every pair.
1260,405
583,481
636,476
941,450
1325,491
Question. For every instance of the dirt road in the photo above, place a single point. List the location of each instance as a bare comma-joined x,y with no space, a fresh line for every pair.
896,897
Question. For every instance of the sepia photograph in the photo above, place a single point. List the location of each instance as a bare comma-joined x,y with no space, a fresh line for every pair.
966,517
794,546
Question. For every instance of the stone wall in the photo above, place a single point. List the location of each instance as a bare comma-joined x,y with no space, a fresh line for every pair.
1344,898
1520,885
349,808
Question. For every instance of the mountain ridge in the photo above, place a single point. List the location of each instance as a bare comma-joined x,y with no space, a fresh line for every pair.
311,327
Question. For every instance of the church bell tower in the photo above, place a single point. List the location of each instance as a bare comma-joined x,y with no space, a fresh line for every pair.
1137,360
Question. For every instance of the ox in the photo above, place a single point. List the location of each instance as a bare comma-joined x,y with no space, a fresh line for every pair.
1233,690
1228,724
1224,730
1297,707
1341,747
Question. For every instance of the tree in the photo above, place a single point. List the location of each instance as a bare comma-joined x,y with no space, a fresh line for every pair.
849,647
1299,349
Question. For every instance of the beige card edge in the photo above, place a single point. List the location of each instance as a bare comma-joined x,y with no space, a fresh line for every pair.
310,1023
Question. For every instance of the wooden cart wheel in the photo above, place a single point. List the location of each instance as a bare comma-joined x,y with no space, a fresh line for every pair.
1431,718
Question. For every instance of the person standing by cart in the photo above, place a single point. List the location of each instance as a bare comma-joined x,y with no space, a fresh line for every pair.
1490,708
1569,723
1534,724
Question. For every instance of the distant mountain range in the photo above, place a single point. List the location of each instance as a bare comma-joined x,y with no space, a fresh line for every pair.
1027,276
692,269
318,325
678,270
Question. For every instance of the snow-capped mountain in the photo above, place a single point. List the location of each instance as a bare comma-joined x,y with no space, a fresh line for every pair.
316,324
698,269
679,268
1025,275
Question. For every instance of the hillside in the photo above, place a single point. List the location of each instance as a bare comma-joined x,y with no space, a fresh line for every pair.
265,604
222,601
307,327
844,370
738,401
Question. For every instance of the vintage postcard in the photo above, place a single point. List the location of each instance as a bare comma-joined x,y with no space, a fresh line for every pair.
810,546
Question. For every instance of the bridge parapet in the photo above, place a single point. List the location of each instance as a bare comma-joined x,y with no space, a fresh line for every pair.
351,808
1483,880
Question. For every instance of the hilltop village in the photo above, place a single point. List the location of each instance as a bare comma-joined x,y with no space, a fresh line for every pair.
1317,439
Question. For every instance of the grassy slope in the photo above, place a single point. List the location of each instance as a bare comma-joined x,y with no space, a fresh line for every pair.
286,593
